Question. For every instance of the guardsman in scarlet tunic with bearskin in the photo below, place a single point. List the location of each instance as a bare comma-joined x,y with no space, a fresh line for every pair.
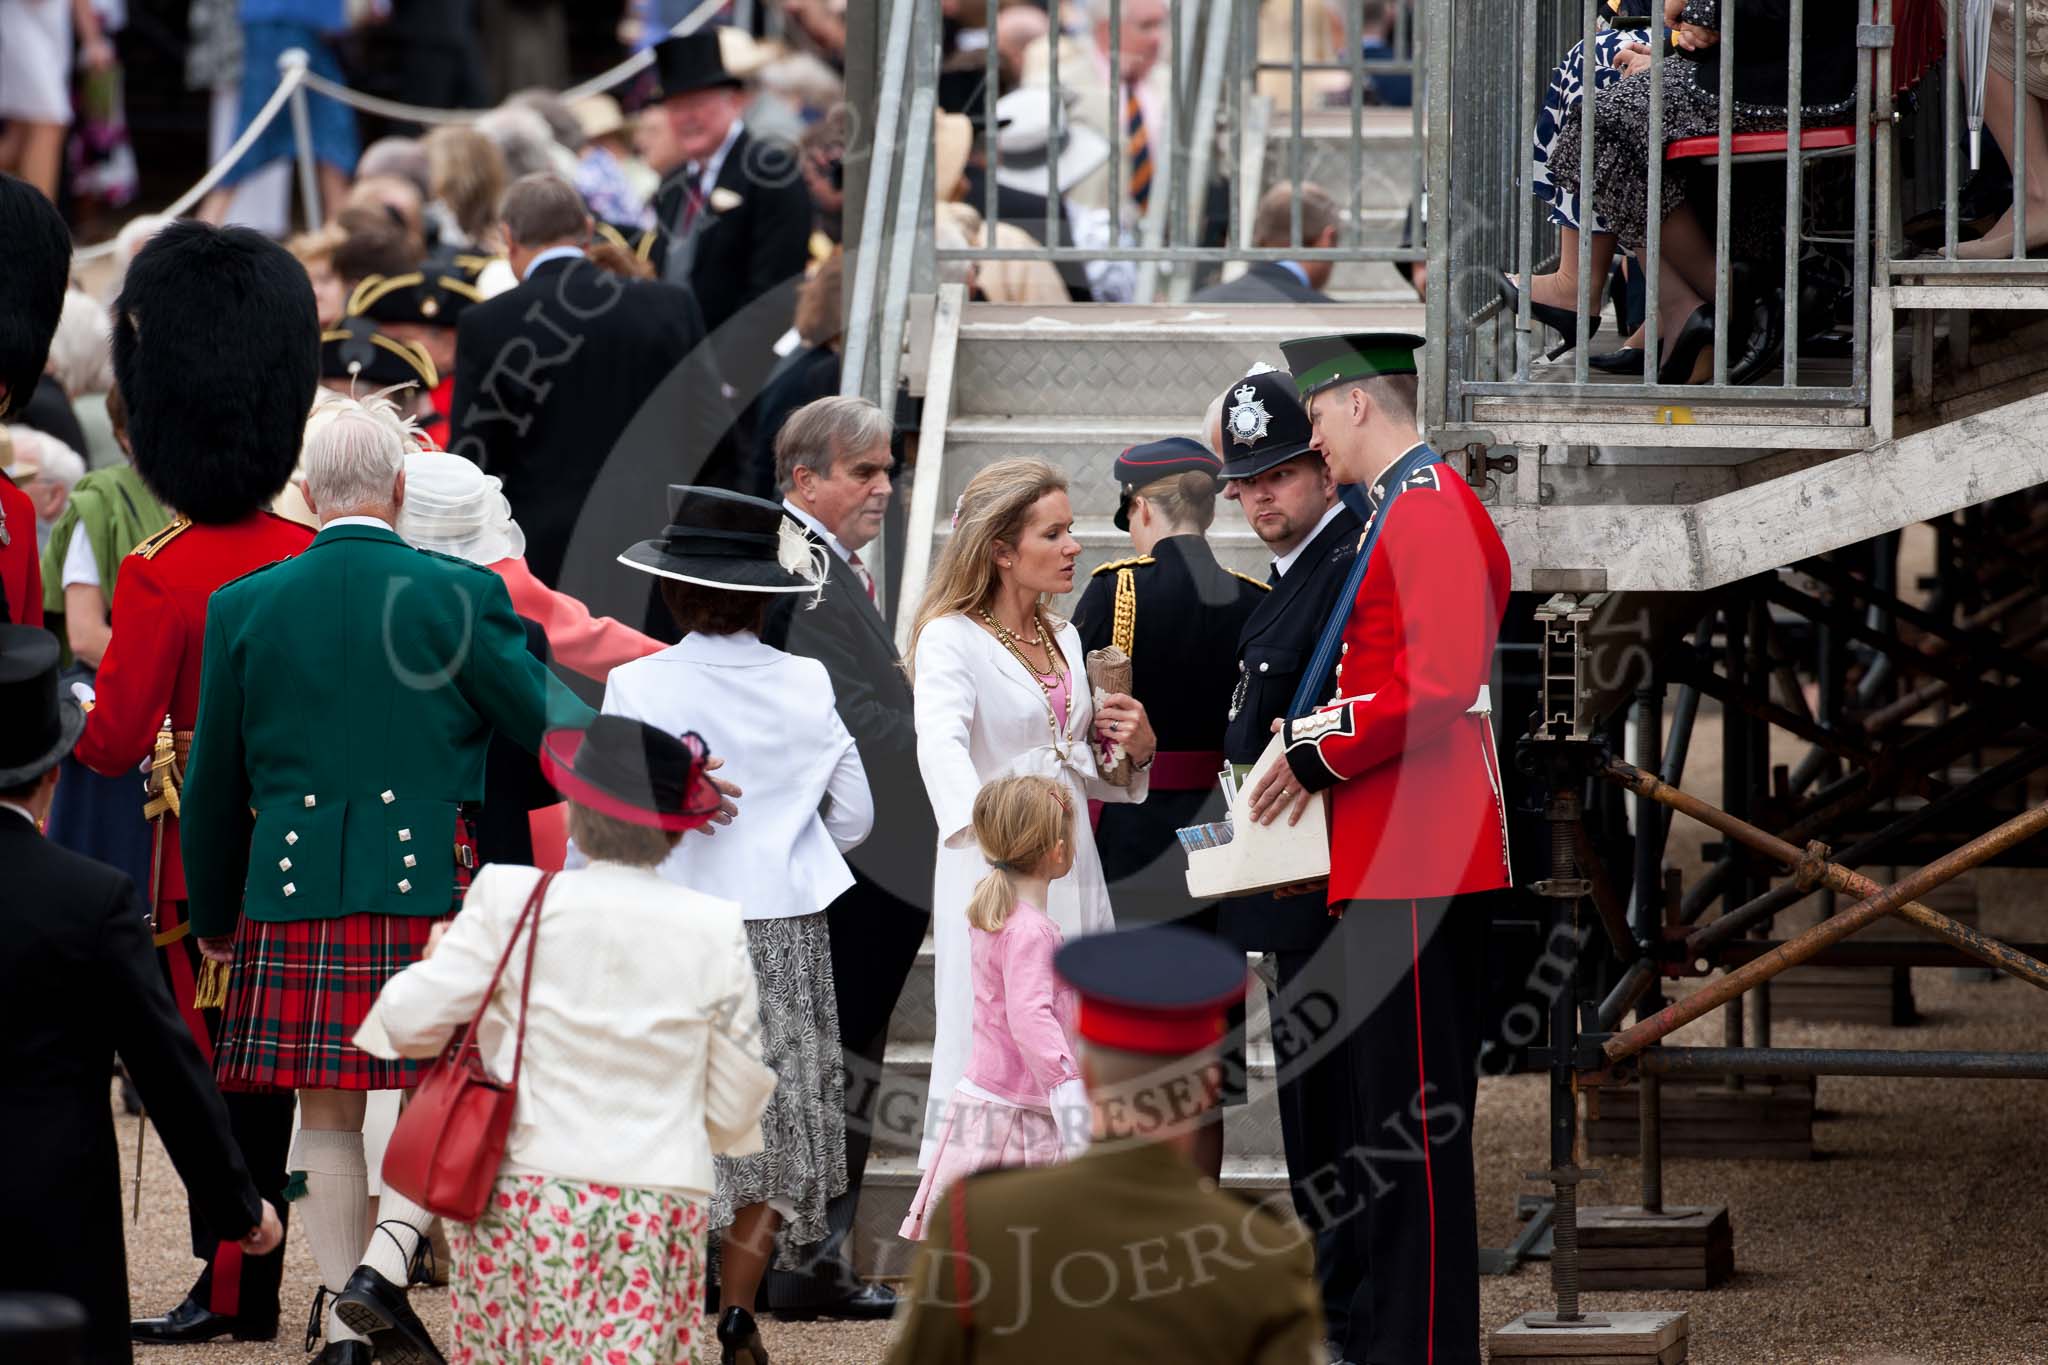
217,390
1393,720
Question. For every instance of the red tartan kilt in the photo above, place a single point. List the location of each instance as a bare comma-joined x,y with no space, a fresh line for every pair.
299,991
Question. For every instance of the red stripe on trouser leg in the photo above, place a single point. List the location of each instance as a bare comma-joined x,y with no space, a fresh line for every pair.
226,1296
184,990
1422,1095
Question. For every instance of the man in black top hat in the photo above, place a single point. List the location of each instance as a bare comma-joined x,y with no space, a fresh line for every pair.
1289,498
79,983
733,215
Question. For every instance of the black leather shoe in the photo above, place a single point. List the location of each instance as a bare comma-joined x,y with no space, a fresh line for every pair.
866,1303
192,1322
375,1307
346,1353
739,1339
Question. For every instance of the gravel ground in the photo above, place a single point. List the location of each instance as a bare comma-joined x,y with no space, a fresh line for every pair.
1914,1238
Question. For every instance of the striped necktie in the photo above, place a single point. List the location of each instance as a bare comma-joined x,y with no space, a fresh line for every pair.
1138,151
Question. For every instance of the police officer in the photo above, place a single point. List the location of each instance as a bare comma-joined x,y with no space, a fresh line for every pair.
1165,607
1289,499
1126,1253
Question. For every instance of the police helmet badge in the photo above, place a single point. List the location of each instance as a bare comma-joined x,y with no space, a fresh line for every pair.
1248,417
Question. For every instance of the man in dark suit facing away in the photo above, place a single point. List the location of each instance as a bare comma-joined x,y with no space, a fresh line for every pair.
78,983
1273,227
832,461
587,393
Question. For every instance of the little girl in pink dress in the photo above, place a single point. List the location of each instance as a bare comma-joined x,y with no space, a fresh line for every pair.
1020,1101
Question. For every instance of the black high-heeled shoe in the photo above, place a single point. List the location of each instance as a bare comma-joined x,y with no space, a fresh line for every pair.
1691,358
739,1340
1563,321
1626,360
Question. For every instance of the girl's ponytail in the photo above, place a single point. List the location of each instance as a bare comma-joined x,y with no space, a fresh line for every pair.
1018,821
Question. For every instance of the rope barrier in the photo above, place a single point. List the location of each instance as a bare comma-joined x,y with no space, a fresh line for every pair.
295,74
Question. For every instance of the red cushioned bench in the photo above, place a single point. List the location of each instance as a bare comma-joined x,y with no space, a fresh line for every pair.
1764,146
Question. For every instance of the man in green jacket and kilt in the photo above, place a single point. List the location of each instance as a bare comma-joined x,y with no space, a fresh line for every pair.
347,699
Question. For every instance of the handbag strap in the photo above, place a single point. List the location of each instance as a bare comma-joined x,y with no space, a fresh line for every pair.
530,910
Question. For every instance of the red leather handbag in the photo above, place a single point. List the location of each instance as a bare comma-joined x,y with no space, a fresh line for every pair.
445,1151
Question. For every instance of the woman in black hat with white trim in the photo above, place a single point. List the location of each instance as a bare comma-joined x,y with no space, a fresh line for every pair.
804,802
641,1063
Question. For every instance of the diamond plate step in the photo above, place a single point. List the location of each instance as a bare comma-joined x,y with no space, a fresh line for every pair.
1092,360
1388,155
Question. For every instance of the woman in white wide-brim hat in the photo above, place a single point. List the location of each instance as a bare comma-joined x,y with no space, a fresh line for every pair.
803,803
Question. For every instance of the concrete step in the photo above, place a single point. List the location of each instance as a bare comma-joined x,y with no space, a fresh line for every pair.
888,1187
1107,361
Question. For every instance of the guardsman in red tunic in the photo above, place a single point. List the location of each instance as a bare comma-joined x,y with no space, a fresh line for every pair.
217,402
31,301
1393,720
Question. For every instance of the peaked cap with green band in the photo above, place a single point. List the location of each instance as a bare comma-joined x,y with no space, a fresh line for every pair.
1319,362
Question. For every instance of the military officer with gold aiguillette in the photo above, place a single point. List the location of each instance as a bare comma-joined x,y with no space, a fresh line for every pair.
1126,1253
1167,607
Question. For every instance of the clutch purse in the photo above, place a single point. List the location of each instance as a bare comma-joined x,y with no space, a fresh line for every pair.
449,1141
1241,857
1109,670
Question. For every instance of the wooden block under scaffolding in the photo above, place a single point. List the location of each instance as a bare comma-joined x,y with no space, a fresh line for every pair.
1878,996
1762,1121
1677,1248
1620,1339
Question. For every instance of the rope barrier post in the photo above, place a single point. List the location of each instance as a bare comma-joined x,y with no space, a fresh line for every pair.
291,67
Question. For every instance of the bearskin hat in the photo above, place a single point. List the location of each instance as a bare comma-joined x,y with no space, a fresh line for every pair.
31,287
217,352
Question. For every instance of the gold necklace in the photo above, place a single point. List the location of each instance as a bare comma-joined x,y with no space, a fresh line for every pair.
1058,722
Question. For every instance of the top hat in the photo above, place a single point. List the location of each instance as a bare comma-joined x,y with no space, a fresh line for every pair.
40,727
426,298
1161,989
354,349
1318,362
691,62
1264,424
1032,127
629,770
1157,460
720,539
453,508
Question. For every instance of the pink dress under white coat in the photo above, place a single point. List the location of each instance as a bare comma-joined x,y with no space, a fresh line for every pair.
1023,1065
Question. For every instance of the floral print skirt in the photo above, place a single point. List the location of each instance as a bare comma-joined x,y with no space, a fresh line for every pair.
566,1272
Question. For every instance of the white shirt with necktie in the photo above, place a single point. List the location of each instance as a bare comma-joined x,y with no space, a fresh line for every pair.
851,558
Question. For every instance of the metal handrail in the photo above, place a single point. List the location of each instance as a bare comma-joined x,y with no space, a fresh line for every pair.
873,296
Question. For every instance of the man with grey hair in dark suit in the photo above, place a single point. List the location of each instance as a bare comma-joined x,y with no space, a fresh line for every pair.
833,463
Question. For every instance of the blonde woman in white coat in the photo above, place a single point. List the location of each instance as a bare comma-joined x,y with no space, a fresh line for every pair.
1001,688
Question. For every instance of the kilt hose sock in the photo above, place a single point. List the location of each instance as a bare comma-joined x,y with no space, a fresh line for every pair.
401,1224
334,1209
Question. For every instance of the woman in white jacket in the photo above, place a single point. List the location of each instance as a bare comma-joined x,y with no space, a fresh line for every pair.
1001,687
642,1061
803,802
